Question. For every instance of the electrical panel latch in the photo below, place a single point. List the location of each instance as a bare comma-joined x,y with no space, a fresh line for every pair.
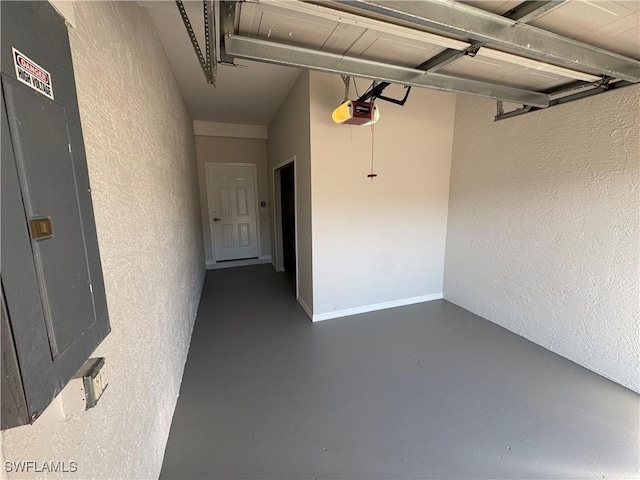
41,228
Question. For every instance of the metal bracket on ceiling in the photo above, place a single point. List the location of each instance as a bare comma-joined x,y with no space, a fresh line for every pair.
563,94
347,80
208,64
229,19
375,92
604,83
472,50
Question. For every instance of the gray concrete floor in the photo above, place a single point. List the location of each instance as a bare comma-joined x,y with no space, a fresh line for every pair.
417,392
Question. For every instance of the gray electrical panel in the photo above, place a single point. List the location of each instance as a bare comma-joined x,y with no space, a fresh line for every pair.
54,310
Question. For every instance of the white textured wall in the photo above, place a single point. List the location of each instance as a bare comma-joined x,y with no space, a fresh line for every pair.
543,233
234,150
141,156
288,136
379,242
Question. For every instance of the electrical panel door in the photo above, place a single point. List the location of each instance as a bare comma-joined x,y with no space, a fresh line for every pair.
54,304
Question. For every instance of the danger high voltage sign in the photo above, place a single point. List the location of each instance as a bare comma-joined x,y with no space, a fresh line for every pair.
32,74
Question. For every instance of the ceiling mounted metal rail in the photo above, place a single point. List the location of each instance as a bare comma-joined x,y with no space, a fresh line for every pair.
526,12
209,32
281,54
513,35
208,63
586,90
606,70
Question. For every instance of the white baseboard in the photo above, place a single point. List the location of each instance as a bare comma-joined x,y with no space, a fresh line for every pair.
239,263
305,307
376,306
275,267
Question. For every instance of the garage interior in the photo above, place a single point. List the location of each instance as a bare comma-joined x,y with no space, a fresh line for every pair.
451,290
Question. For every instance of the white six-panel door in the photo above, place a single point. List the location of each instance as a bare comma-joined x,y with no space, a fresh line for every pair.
232,211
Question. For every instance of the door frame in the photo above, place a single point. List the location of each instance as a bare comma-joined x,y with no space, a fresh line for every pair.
277,215
210,193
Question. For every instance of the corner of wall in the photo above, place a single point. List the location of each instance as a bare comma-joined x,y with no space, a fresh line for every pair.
289,135
542,231
65,9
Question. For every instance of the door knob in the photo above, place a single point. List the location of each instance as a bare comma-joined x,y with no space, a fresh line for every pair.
217,219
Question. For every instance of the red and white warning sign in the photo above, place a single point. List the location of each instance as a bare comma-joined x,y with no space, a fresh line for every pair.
32,74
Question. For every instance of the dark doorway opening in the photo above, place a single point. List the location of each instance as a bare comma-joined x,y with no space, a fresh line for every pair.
287,203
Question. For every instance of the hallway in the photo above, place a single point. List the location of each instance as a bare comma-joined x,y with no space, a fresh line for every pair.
423,391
